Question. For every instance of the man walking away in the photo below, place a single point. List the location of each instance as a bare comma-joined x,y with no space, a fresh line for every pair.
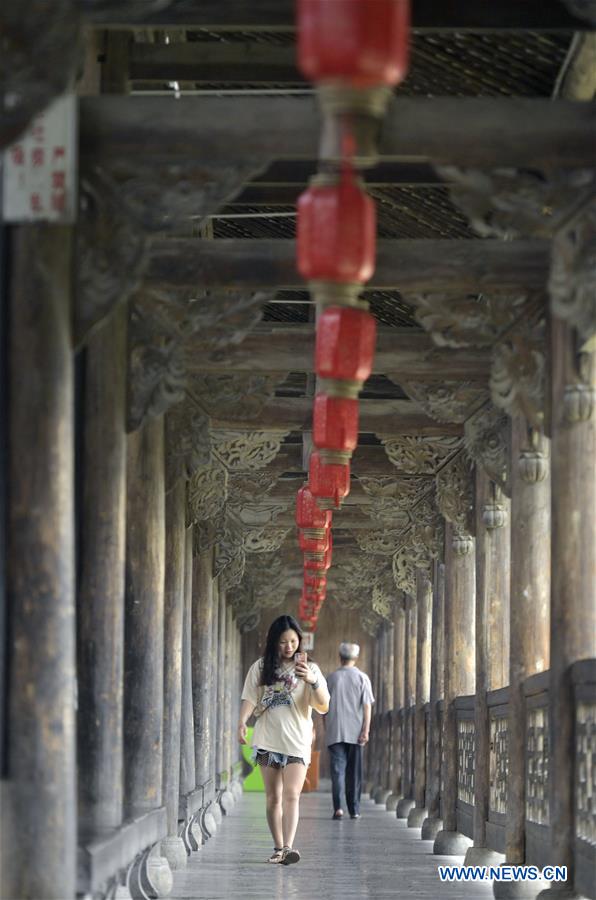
347,726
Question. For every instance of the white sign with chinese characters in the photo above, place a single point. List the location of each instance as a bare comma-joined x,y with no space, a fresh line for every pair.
308,640
40,169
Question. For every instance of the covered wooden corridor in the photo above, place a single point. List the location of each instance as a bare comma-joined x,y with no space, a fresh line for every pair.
378,856
156,402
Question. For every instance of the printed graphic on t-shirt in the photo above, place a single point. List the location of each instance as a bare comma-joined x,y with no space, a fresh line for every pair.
279,694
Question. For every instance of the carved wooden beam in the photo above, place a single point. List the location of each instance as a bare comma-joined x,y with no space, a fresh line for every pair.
273,15
407,265
406,353
392,417
486,132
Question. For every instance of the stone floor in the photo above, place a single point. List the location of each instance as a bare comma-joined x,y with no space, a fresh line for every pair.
377,856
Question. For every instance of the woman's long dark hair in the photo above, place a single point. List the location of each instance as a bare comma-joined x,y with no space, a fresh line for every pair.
271,652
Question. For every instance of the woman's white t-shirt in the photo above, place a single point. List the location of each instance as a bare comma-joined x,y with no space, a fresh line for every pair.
285,724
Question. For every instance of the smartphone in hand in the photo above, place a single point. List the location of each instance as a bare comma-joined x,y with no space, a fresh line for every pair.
300,657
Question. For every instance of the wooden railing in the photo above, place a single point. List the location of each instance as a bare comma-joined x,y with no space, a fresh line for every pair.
537,760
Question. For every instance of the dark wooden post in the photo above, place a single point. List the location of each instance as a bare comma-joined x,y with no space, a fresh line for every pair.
215,662
144,622
100,616
407,802
388,755
529,620
493,543
399,634
418,814
371,749
188,778
39,846
459,674
227,798
573,601
386,666
173,846
202,664
221,688
433,823
379,795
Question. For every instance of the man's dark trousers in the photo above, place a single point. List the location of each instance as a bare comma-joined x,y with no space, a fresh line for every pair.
346,775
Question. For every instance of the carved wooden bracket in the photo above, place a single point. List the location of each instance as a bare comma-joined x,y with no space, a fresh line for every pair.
518,375
207,492
572,283
188,442
488,441
420,455
111,254
471,320
446,401
392,499
405,563
169,332
455,495
41,50
509,203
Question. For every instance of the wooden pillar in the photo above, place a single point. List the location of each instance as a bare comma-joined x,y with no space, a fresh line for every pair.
221,689
399,633
389,775
144,620
214,661
459,675
202,664
39,841
493,545
418,814
407,802
573,594
386,686
100,613
175,567
529,617
434,823
188,779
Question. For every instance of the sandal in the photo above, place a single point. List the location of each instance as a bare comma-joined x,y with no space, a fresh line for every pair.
277,855
289,856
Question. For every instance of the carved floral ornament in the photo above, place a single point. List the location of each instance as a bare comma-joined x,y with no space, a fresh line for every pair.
446,401
420,455
471,320
392,498
188,442
242,451
381,541
405,563
207,492
231,396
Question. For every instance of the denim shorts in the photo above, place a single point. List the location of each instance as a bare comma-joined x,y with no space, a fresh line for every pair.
276,760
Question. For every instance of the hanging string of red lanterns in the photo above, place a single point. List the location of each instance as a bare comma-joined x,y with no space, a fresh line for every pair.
355,51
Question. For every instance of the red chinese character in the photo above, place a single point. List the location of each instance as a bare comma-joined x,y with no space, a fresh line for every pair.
59,180
38,156
17,154
59,201
59,152
35,203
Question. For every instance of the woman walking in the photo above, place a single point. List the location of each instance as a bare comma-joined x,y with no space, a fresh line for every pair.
281,689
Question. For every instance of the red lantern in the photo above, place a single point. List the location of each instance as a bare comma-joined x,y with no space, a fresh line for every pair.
313,542
336,231
345,349
335,427
355,42
315,581
329,481
314,562
308,514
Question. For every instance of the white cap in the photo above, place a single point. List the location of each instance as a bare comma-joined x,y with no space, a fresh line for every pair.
349,651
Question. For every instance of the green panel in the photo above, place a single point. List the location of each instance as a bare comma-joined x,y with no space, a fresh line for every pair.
254,781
